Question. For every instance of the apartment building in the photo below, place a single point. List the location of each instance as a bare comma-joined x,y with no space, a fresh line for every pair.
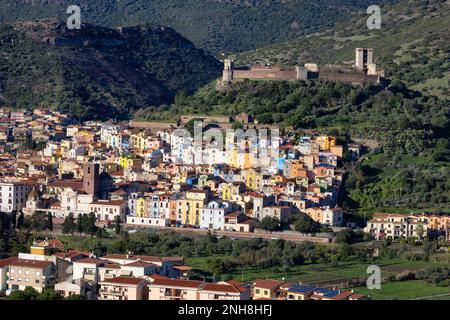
223,291
13,196
4,267
108,210
213,215
123,288
282,213
441,223
394,226
31,273
174,289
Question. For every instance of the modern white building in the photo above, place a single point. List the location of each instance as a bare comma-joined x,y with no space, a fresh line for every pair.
13,196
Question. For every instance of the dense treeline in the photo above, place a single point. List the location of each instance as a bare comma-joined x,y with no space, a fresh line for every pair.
219,26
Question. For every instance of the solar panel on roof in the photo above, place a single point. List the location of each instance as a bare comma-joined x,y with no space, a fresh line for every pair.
322,291
299,288
331,294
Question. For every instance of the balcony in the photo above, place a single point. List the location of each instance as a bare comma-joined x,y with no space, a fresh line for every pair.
173,298
112,292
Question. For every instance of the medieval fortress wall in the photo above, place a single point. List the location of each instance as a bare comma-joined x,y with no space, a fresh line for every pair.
363,71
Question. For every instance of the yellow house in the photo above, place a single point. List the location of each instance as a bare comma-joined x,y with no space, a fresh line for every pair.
141,208
128,162
253,179
277,179
138,140
231,190
326,142
232,157
266,289
190,208
227,191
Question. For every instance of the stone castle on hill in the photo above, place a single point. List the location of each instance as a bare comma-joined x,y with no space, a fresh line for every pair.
363,71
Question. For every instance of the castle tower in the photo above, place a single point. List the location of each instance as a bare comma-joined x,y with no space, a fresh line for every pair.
364,58
91,179
227,70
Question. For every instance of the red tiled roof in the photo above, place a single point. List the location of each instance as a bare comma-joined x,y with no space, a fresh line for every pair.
125,280
234,283
30,263
220,288
92,261
267,284
133,257
6,262
178,283
140,264
71,254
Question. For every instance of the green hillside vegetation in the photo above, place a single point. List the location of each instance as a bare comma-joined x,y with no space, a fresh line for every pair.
413,45
230,26
96,72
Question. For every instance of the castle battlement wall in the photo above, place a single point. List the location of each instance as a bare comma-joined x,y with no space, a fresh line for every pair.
364,71
267,74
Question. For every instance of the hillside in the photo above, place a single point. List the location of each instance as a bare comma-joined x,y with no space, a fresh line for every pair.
96,72
413,45
216,25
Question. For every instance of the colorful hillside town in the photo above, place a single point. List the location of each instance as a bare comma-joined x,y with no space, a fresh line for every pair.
211,179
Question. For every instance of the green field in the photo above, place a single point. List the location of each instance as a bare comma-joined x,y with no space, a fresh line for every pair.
319,273
415,289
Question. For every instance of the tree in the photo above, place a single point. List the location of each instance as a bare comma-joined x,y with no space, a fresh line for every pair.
101,233
216,266
49,221
269,224
80,223
345,236
117,226
88,224
76,297
305,224
237,125
28,294
14,219
39,221
49,294
20,220
420,231
69,224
